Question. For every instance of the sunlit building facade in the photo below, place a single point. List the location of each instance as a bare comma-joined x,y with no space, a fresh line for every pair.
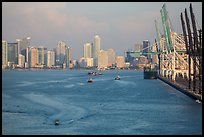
96,49
61,53
4,53
102,59
33,57
111,57
120,62
21,60
87,50
50,58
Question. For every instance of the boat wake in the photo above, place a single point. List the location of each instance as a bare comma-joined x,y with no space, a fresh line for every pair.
65,112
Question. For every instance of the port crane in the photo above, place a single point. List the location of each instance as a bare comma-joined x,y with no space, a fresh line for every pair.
170,48
178,54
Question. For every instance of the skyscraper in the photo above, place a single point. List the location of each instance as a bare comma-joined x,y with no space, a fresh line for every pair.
50,58
70,57
111,57
61,53
27,57
41,55
120,62
13,52
22,45
21,60
87,50
138,47
102,59
96,49
33,57
4,53
146,47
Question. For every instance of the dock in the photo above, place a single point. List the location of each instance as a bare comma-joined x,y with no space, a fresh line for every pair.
181,88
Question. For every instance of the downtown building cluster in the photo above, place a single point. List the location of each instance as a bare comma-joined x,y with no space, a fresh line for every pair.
21,54
95,57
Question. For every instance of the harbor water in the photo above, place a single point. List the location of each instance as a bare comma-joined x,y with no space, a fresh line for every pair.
33,99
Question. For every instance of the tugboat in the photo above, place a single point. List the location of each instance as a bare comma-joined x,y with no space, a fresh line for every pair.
57,122
90,80
150,73
117,78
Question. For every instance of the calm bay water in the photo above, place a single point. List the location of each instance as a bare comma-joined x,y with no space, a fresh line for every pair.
32,100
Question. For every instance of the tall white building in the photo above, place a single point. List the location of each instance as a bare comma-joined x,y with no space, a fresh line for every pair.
61,53
50,58
102,59
4,53
96,49
111,57
87,50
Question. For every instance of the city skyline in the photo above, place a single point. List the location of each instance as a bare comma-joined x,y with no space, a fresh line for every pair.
120,25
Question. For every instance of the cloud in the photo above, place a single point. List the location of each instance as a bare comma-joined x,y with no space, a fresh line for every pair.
119,25
47,23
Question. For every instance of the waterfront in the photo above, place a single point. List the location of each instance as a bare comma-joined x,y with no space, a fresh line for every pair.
32,100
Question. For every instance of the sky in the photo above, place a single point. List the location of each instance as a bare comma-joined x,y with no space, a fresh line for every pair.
120,25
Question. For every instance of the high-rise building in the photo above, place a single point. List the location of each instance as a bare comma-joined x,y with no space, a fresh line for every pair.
111,57
137,47
89,62
68,57
102,59
27,57
22,45
33,57
61,53
13,52
86,62
129,57
87,50
4,53
41,55
21,60
146,47
120,62
96,49
50,58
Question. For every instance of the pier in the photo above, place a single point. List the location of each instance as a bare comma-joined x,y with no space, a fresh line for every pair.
179,55
182,88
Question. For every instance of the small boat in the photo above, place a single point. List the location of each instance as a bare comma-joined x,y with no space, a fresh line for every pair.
117,78
90,80
94,73
57,122
100,73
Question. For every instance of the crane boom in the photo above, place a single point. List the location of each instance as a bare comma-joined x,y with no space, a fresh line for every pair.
166,26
